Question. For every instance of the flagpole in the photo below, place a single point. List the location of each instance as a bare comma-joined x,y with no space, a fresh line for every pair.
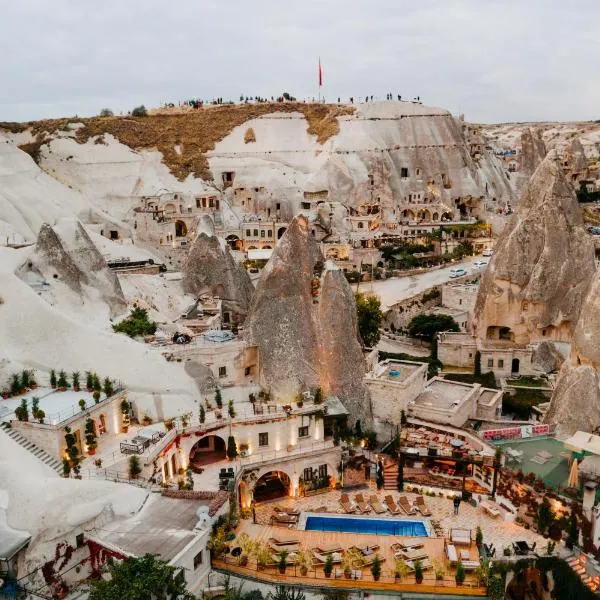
319,81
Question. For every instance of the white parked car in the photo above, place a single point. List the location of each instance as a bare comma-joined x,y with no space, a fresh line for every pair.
478,264
487,253
457,273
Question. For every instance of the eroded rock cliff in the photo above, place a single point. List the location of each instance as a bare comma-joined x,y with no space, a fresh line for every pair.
66,253
575,403
303,319
533,152
210,269
541,270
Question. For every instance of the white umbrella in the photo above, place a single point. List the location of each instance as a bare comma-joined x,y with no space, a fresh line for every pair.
574,474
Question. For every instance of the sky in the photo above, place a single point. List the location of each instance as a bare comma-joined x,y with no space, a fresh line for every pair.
494,61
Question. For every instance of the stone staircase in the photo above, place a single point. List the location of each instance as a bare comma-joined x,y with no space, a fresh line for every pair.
390,476
40,454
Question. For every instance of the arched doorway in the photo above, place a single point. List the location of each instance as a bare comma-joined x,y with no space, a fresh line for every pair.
273,484
208,450
234,242
280,232
180,229
515,366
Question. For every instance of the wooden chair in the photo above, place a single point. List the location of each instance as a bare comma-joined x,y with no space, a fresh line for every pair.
391,505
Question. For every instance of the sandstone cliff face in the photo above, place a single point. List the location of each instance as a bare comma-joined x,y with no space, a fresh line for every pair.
547,358
66,251
587,330
210,269
537,279
305,344
575,403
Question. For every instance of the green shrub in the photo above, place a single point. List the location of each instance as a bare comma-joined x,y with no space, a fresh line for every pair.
428,326
134,466
136,324
139,111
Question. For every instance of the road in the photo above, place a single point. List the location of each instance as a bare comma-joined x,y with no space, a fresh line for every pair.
393,290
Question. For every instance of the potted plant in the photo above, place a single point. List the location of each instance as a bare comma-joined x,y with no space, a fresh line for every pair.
53,379
232,450
376,568
478,537
231,410
98,463
96,396
82,404
134,466
328,567
90,437
62,384
282,561
41,415
418,571
460,573
219,398
75,378
438,569
304,560
401,570
147,420
352,559
263,556
125,416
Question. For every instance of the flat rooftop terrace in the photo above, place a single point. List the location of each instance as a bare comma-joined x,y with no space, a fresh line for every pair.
164,526
396,371
442,394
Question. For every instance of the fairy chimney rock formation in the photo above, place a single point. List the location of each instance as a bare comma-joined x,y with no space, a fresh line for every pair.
210,269
66,252
533,152
303,319
543,265
575,404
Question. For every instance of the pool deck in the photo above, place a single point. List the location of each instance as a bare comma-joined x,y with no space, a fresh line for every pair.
434,547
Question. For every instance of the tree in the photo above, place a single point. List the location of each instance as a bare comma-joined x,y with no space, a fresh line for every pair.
232,450
25,379
496,588
478,536
136,324
108,387
96,385
21,412
75,378
140,579
62,382
72,451
89,381
53,378
400,478
545,516
368,311
106,112
231,410
460,573
139,111
202,414
134,466
35,406
219,398
428,326
90,436
376,568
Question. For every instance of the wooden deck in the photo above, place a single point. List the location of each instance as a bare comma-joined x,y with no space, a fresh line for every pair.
316,577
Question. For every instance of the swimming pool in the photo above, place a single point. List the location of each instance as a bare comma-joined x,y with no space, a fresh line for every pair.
350,524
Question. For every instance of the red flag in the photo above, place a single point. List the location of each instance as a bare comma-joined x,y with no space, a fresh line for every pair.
320,74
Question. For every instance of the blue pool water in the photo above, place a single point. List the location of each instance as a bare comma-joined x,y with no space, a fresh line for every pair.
376,526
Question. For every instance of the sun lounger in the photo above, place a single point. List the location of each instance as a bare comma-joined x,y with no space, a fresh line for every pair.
420,502
391,505
417,554
283,518
425,564
470,565
406,547
278,542
321,559
452,554
328,549
366,549
460,536
377,506
347,504
363,507
406,506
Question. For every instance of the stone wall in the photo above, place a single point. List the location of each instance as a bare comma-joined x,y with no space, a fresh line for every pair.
400,314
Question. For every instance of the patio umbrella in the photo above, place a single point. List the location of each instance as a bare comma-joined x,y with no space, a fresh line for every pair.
574,474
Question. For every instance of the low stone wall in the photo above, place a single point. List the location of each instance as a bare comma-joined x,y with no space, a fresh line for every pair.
216,499
400,314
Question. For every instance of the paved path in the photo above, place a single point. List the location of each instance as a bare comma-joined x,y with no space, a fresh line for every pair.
394,290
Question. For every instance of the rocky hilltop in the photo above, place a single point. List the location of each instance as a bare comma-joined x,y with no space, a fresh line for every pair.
544,262
210,269
303,319
66,253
